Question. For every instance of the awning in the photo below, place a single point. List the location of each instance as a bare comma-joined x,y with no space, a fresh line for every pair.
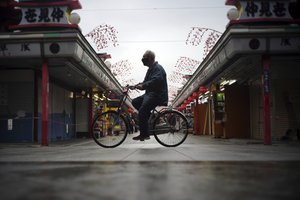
72,61
237,55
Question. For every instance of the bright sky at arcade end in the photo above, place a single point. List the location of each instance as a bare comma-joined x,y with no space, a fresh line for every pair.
159,25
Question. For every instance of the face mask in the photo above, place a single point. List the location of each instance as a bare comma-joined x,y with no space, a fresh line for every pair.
145,61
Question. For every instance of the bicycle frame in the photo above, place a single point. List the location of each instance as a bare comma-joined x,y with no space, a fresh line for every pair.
165,124
123,100
153,117
154,113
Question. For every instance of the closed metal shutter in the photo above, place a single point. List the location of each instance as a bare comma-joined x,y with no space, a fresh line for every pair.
256,116
287,107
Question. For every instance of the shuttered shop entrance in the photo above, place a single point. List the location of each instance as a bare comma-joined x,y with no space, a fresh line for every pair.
287,107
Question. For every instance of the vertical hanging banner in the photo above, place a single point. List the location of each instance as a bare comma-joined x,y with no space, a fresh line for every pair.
266,81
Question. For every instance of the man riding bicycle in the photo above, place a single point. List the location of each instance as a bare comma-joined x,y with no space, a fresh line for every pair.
155,84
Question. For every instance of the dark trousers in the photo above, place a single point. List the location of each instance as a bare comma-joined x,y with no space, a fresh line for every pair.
144,104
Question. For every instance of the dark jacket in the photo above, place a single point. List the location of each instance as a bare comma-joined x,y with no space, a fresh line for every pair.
155,83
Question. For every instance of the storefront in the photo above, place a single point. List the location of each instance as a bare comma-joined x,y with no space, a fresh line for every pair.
251,74
48,75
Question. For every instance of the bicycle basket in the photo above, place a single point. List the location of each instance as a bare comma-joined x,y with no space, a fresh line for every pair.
113,103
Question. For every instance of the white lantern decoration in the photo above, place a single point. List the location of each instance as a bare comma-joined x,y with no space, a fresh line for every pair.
233,14
108,64
74,18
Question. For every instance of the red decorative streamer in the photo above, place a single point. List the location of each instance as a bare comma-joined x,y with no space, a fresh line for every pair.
102,35
197,35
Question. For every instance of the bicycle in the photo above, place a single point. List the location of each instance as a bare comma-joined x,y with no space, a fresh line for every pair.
168,126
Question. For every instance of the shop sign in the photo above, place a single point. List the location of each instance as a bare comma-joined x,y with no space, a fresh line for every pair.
37,15
10,124
219,107
285,44
264,9
20,49
266,78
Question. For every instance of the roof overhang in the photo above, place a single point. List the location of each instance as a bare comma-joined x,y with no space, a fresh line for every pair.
236,52
71,60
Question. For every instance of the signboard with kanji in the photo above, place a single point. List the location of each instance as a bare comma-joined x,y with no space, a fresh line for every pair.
24,49
264,9
44,15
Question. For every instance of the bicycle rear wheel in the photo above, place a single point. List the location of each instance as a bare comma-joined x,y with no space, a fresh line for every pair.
170,128
109,129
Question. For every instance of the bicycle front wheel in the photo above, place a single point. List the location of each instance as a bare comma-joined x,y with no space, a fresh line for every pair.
109,129
170,128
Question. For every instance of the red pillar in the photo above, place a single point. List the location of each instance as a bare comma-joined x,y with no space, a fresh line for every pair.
90,113
266,99
45,111
197,119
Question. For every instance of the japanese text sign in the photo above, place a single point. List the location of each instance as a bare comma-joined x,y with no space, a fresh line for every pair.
264,9
36,15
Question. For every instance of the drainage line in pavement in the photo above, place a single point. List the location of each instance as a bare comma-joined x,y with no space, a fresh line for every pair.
183,154
131,153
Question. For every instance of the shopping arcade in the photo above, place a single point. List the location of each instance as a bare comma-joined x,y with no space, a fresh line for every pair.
260,56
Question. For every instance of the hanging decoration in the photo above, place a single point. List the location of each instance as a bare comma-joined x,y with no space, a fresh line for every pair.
197,35
202,89
195,95
102,35
184,68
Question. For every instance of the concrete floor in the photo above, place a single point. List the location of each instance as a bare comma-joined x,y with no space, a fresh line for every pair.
201,168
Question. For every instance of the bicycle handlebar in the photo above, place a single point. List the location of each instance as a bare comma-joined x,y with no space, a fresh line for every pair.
129,87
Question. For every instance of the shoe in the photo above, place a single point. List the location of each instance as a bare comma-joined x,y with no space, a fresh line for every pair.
141,138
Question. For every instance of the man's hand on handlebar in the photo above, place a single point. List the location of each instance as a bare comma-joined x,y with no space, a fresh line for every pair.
133,87
139,86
